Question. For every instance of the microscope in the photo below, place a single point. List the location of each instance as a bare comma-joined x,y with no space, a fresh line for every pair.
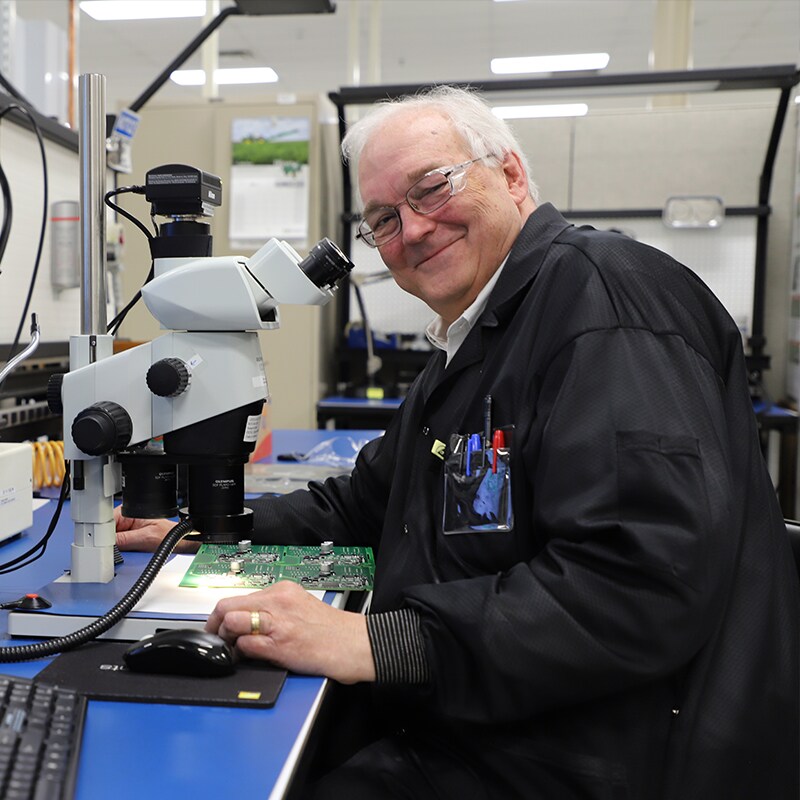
192,397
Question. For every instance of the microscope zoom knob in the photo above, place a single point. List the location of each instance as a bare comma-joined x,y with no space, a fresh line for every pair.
168,377
102,428
54,402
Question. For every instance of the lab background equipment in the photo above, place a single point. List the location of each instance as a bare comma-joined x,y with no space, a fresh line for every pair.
24,413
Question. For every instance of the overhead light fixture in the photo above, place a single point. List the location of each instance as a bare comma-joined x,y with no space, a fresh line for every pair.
565,63
108,10
540,111
242,75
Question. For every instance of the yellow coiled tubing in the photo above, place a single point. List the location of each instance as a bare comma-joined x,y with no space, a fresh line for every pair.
48,463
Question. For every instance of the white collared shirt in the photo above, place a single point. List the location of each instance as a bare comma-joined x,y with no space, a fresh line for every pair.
451,339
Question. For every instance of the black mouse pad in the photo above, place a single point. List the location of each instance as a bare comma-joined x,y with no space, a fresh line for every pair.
97,670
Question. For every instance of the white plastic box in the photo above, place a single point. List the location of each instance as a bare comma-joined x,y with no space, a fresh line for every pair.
16,489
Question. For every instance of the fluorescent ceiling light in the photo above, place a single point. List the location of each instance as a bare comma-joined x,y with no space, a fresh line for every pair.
197,77
107,10
566,63
534,112
188,77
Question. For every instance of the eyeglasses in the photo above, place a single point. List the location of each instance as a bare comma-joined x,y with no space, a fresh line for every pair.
424,197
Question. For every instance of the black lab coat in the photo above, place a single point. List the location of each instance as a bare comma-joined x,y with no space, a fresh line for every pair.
636,634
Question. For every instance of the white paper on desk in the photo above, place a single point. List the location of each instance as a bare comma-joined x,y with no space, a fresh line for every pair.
165,596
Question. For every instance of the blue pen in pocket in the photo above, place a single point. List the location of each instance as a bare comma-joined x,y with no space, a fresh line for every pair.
473,446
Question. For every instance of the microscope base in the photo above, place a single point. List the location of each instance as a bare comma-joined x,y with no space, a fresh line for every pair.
76,605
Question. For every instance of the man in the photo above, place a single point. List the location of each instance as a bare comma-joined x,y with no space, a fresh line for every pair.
628,626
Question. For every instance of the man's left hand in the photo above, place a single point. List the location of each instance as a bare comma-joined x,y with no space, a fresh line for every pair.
291,628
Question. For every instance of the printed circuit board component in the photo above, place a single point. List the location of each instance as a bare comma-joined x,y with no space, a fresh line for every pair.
246,565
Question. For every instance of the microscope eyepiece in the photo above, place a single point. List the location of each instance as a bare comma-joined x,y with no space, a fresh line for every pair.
326,265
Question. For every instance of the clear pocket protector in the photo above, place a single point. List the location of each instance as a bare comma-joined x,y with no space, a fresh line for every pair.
479,501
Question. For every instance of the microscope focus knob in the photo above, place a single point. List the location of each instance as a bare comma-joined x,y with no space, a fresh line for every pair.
168,377
102,428
54,402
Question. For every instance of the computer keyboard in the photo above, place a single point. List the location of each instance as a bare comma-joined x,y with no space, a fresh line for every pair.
40,734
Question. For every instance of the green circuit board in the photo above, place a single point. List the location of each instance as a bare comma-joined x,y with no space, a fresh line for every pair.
253,566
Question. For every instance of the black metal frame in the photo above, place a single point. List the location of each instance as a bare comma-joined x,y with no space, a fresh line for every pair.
242,7
783,77
187,51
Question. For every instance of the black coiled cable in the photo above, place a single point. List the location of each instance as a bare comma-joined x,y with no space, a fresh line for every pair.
27,652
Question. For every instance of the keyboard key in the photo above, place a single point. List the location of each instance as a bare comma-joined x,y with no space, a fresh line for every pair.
48,790
40,730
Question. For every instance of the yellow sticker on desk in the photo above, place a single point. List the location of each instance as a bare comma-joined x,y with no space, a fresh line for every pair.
438,449
249,695
374,393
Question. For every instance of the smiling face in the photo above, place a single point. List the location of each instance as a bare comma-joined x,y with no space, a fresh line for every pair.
447,257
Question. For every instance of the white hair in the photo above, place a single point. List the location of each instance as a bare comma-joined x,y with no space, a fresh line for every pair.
470,116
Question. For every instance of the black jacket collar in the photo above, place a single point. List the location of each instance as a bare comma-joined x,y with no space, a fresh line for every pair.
526,256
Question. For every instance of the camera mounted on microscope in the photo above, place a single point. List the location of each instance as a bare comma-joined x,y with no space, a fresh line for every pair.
184,194
178,190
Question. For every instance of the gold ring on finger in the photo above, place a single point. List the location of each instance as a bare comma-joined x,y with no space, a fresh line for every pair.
255,623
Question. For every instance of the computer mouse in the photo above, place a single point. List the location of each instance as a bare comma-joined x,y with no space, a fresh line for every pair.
181,651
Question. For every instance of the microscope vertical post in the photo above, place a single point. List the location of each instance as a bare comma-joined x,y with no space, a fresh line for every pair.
92,146
94,480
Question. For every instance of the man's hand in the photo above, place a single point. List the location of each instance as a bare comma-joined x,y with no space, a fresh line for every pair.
146,534
296,631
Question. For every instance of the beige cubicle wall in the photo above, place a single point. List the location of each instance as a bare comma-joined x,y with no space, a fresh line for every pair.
298,372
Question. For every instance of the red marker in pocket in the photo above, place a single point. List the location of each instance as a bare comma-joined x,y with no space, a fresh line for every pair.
498,441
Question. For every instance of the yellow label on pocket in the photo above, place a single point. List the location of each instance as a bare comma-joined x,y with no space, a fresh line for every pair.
249,695
438,449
